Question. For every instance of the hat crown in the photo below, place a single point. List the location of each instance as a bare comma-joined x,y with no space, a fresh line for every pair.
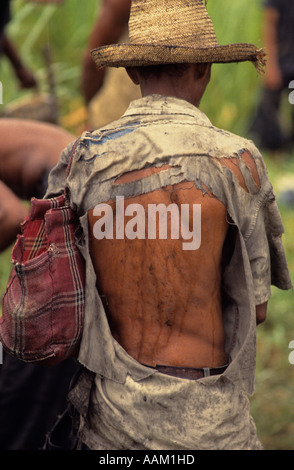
173,22
170,32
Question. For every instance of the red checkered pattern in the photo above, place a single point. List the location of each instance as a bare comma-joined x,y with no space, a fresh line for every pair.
43,305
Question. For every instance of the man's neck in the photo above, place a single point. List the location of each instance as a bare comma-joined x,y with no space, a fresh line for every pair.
165,89
168,89
189,86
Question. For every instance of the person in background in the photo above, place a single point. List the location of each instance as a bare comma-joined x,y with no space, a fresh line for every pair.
111,25
25,77
267,128
29,150
31,397
107,92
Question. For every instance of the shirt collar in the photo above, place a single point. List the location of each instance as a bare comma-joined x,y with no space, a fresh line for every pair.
166,105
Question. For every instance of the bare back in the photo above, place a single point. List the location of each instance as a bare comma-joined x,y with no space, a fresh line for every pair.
164,302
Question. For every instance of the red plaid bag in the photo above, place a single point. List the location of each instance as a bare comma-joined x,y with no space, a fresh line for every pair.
43,305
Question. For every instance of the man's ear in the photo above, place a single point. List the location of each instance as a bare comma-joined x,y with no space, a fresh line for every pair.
203,71
208,72
133,74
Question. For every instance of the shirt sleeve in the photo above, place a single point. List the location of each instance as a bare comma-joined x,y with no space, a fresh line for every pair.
266,253
280,276
57,176
260,262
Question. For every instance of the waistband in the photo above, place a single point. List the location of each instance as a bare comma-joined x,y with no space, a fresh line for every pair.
190,372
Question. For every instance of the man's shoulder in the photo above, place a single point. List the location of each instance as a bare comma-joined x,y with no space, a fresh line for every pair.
226,144
179,121
102,134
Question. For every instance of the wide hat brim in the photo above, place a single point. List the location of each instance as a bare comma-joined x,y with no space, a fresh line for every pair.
135,55
171,32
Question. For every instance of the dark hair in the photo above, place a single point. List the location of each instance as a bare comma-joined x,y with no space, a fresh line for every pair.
176,70
158,70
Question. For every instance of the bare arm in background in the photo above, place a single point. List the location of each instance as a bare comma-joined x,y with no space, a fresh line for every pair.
111,24
273,76
28,150
24,75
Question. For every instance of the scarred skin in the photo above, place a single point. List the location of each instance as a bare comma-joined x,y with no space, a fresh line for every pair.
163,303
162,309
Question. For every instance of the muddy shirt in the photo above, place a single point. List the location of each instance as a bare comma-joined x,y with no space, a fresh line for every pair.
154,131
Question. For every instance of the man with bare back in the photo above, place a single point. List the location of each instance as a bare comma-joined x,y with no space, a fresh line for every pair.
182,240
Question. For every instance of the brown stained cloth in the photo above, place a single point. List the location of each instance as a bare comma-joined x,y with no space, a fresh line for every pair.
116,394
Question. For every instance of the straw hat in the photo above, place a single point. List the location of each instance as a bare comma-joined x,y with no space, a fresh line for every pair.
172,31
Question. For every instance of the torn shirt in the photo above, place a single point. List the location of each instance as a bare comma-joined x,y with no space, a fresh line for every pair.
155,131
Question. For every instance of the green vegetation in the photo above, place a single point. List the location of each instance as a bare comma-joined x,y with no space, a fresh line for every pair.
230,102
